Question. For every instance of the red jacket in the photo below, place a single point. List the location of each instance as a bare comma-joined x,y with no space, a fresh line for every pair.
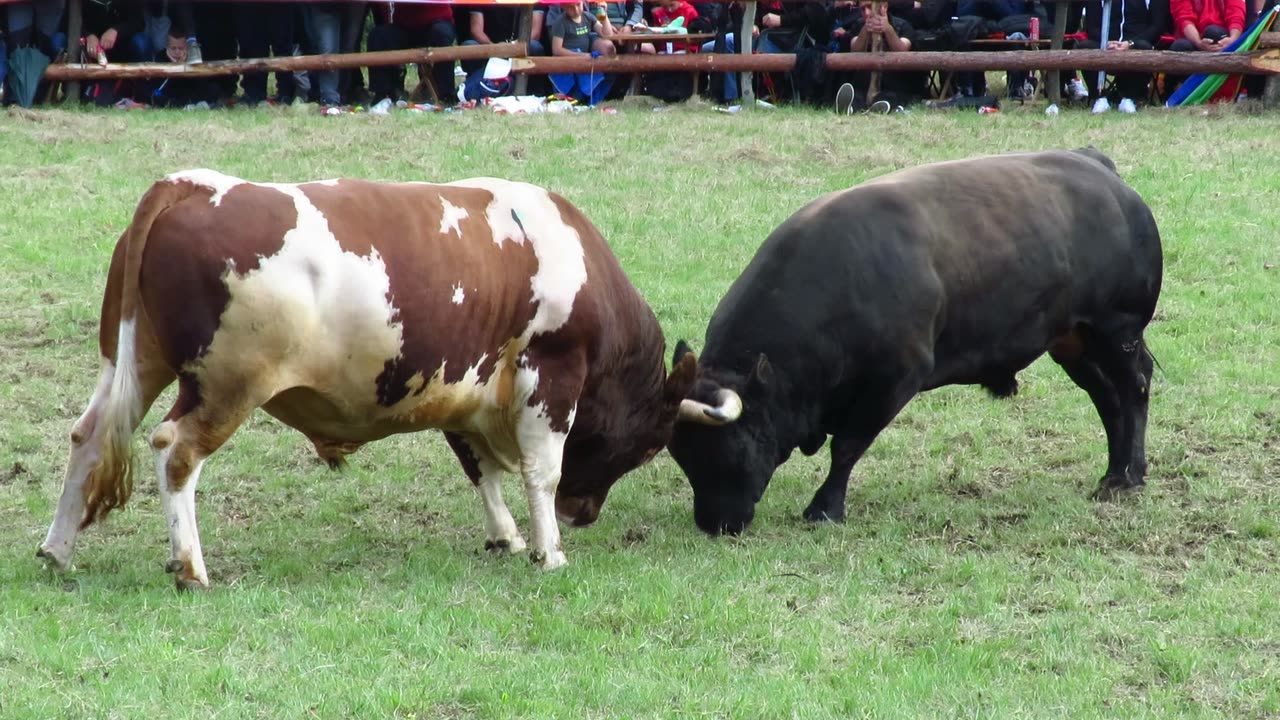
1203,13
662,18
414,16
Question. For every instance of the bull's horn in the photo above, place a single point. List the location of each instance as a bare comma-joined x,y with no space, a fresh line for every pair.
729,409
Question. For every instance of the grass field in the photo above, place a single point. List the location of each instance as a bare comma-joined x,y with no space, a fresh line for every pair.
973,578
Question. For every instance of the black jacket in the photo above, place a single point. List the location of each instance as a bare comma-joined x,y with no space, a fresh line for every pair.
1130,20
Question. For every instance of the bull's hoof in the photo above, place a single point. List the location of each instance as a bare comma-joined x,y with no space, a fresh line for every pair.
52,561
821,514
504,546
186,584
1112,487
173,566
548,560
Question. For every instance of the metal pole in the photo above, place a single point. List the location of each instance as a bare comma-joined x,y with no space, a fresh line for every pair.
1106,33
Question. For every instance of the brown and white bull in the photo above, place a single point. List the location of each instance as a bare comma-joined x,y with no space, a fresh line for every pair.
351,310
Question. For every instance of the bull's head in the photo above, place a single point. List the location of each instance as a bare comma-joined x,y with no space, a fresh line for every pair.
633,427
725,444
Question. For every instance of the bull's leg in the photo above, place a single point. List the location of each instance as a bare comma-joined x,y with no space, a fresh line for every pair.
1138,456
540,468
1106,400
87,438
872,411
183,442
1127,366
501,534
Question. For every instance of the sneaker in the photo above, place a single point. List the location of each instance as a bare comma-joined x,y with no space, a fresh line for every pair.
1127,106
193,52
1101,105
1077,90
880,107
844,99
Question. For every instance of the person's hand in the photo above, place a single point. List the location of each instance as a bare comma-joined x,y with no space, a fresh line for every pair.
108,40
839,33
1119,45
755,31
771,20
91,46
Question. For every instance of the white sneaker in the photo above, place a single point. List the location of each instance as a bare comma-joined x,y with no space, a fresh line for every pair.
880,107
1077,89
1102,105
1127,106
844,99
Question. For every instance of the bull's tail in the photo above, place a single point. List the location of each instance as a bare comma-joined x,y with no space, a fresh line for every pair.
110,482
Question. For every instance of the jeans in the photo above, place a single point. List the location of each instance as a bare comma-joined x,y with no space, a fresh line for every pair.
34,22
731,47
323,23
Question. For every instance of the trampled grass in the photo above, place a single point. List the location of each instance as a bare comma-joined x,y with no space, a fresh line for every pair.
973,577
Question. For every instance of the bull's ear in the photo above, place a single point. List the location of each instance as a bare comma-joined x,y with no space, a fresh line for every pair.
683,373
682,349
762,375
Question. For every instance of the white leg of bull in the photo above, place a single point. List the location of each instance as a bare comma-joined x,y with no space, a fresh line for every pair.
59,543
540,467
179,472
500,532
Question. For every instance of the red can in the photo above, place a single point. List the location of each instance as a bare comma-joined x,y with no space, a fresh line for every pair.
1035,28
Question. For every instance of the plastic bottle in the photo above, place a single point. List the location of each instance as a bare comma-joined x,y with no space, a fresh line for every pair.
602,12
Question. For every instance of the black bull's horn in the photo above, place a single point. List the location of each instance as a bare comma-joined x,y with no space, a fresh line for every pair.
728,410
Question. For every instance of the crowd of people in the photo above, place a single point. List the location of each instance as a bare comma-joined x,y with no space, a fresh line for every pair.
190,31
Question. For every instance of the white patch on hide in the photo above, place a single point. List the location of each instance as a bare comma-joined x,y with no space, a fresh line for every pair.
520,212
458,295
451,217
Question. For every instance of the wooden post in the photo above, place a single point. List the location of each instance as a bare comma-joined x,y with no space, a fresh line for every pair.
1054,80
877,44
745,42
526,34
71,90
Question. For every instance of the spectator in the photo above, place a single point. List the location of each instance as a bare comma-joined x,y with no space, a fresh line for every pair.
183,92
857,24
1134,25
573,32
1206,25
263,29
36,23
1013,18
323,24
412,25
493,24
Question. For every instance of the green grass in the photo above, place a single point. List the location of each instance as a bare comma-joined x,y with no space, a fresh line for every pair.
973,579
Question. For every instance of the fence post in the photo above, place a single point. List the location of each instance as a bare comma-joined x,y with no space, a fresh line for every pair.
526,35
877,44
745,42
1054,79
71,90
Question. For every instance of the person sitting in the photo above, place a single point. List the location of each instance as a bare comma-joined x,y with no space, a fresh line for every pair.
492,24
668,12
1206,25
575,32
1006,15
176,91
858,23
1134,25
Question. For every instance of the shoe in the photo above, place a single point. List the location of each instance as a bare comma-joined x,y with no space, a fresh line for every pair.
1077,90
1127,106
844,99
193,52
1101,105
880,107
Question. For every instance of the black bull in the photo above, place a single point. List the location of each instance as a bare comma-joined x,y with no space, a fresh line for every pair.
962,272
